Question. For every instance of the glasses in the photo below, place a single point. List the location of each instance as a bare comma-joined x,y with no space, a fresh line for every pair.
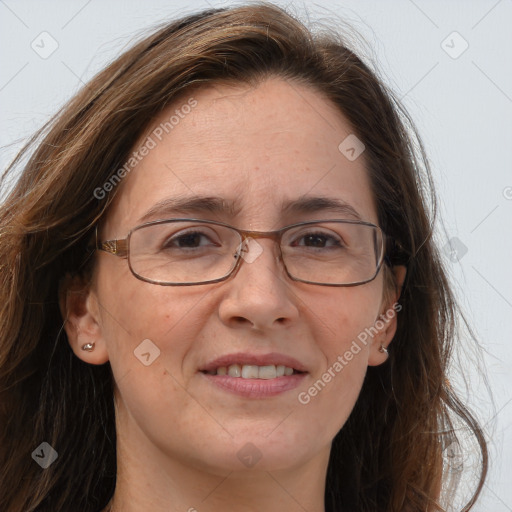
182,252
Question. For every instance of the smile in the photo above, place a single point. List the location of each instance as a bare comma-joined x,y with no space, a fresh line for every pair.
254,375
251,371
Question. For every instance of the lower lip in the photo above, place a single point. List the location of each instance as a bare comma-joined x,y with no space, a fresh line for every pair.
256,388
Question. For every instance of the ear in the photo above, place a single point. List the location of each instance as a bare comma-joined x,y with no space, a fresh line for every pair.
79,308
385,325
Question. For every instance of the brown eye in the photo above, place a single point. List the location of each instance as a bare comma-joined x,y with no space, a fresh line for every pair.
188,240
319,240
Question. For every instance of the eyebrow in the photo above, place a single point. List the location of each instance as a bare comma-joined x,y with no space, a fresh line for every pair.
316,204
190,204
220,206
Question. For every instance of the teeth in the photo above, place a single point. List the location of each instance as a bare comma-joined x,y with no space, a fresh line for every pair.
235,370
251,371
267,372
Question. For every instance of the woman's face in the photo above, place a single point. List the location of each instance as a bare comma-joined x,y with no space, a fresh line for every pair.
257,149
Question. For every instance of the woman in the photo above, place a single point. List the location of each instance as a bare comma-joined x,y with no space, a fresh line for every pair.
220,289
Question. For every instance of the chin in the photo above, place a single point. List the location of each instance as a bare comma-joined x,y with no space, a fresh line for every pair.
253,452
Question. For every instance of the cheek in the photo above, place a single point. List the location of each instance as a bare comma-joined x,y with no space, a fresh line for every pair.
140,318
149,335
342,326
342,316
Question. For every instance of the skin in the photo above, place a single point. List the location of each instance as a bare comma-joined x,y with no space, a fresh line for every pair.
178,436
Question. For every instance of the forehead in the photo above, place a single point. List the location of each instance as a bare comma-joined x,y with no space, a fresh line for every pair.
257,147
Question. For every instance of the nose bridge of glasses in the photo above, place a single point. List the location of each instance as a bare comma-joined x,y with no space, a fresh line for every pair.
274,235
251,246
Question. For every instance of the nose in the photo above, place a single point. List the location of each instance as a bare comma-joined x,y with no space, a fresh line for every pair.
259,294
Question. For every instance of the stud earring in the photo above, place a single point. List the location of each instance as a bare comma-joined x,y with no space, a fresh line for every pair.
383,349
89,347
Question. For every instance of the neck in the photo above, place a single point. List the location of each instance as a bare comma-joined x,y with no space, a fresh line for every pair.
148,479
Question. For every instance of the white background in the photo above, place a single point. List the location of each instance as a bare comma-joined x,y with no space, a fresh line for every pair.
462,107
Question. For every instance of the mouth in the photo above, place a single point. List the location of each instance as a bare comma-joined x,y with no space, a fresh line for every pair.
252,371
255,376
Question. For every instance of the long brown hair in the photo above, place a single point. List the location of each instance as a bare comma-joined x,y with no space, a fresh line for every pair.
389,454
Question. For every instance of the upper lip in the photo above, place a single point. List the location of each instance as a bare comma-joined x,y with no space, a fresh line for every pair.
242,358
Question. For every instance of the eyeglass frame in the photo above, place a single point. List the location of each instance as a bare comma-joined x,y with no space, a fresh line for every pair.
120,248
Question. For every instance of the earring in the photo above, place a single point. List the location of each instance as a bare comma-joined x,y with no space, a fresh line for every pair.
89,347
383,349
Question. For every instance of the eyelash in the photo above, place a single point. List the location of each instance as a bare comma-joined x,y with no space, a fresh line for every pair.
321,234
